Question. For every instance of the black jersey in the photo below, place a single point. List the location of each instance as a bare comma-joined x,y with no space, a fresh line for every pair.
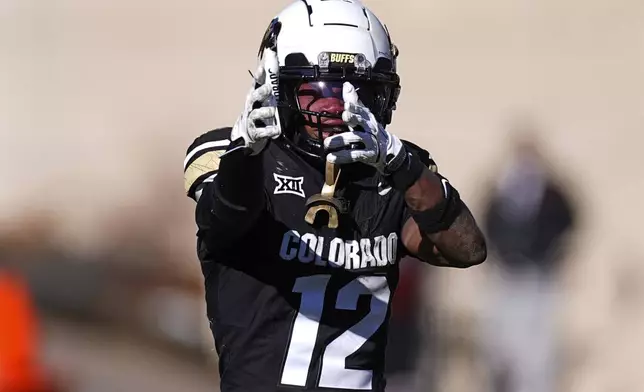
294,307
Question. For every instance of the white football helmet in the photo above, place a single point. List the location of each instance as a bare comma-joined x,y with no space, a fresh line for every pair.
320,44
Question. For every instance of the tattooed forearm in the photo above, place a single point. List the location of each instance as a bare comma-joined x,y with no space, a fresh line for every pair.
462,244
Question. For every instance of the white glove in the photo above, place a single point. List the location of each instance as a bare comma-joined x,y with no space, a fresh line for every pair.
377,147
256,137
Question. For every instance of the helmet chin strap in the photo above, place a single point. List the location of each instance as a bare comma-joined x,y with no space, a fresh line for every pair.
307,146
313,145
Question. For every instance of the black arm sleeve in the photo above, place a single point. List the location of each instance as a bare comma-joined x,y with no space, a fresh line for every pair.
231,205
228,187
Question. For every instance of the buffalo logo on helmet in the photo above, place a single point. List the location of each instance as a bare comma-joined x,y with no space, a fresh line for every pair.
270,36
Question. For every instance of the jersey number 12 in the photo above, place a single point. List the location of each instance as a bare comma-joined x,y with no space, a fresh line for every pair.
334,374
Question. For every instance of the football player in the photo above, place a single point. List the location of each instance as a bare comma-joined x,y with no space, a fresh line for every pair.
298,306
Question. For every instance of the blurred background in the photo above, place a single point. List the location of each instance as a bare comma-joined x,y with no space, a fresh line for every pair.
534,109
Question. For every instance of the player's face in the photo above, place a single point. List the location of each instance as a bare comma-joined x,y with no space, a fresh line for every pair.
322,97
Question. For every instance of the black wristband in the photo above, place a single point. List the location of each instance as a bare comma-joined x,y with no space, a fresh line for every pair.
407,172
441,216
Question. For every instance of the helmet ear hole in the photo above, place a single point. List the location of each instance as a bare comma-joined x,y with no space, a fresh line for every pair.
270,37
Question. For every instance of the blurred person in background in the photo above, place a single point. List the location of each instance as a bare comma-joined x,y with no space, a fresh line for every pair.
527,220
296,304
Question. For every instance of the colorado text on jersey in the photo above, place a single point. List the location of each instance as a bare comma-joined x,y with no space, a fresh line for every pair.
337,252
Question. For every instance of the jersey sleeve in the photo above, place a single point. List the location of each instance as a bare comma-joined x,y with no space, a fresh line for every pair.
201,164
227,186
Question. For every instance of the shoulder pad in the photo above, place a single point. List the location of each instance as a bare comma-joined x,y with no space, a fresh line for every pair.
202,159
219,134
424,155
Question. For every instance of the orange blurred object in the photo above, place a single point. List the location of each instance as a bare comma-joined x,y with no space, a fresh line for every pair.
20,370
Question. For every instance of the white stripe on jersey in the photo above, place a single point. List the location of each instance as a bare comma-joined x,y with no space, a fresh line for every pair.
216,143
